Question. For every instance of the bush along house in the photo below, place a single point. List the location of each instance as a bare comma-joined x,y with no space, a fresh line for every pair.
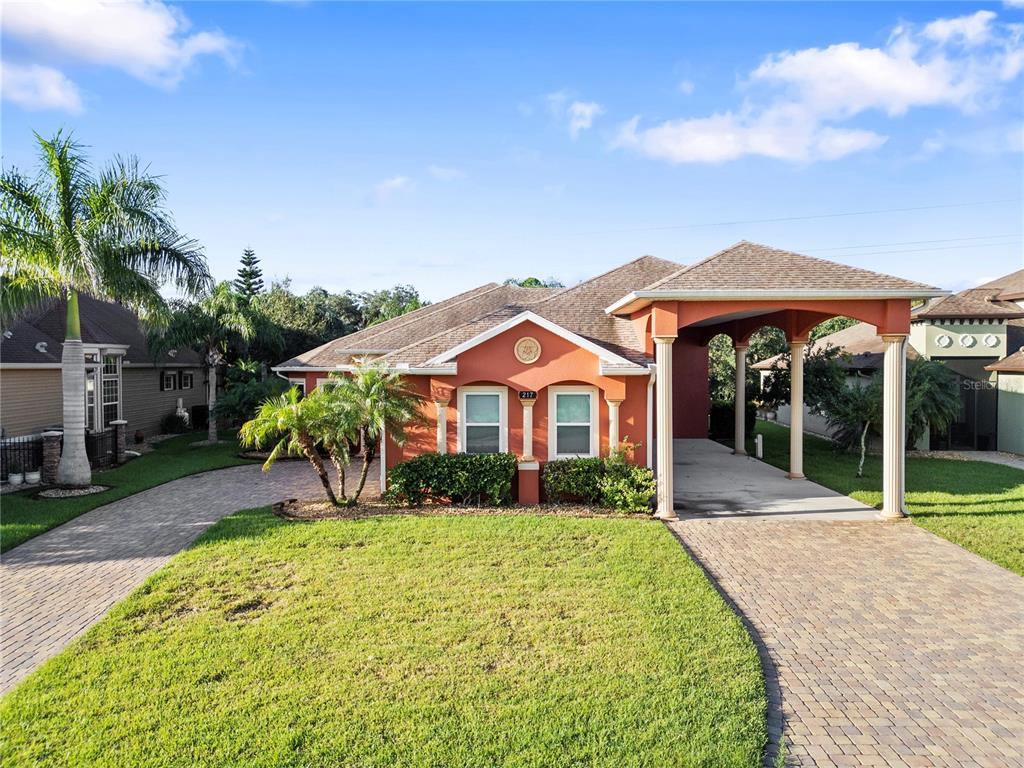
621,357
123,381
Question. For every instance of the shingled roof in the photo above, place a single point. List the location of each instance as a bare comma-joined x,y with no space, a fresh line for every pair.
418,337
751,266
1010,364
36,338
994,299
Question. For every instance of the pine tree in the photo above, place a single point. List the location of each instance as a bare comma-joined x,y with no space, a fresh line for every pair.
250,276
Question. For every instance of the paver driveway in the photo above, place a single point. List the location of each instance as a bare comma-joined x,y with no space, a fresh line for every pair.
55,586
882,643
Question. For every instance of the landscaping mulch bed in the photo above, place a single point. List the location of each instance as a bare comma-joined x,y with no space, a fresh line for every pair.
69,493
297,510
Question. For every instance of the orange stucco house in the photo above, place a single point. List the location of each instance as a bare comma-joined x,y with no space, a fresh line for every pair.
552,373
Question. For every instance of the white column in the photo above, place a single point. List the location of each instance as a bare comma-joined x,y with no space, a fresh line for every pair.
894,416
796,406
663,388
528,429
740,433
442,425
613,424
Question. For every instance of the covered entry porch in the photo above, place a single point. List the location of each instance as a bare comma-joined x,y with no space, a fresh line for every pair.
736,292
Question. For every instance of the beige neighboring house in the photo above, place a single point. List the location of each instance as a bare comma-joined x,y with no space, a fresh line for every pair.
979,334
123,381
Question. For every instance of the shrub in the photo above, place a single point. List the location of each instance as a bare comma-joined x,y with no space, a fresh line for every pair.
574,480
723,419
173,424
241,400
483,479
612,482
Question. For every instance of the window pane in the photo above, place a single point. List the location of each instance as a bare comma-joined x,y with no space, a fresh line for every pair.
572,440
109,413
482,439
110,391
572,408
482,409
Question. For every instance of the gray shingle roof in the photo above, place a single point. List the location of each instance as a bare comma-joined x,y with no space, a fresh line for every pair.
103,322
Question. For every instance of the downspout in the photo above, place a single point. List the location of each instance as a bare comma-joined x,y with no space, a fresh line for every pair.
650,416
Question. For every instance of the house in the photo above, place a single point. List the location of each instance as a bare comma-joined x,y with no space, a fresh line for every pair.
977,334
123,381
553,373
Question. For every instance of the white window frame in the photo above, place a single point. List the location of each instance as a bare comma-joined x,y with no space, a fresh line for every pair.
328,380
595,423
300,383
173,386
188,380
502,393
101,395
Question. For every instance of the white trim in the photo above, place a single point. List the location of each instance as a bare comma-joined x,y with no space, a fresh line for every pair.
531,466
616,370
30,366
438,370
502,392
650,417
595,422
523,317
643,297
383,459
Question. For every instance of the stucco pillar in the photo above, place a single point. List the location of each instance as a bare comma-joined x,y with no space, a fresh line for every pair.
894,406
528,429
663,390
740,431
796,406
120,440
613,424
442,425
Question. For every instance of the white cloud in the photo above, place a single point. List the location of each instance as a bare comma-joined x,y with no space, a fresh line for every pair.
686,87
145,38
38,87
388,188
577,115
442,173
797,100
582,115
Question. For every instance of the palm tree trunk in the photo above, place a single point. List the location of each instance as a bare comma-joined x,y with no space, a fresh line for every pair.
367,458
339,467
74,462
211,401
309,449
863,448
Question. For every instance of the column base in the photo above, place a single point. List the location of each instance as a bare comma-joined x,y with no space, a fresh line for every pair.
740,452
666,516
796,476
891,517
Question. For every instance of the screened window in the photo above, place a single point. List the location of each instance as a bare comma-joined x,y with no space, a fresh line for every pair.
482,420
572,422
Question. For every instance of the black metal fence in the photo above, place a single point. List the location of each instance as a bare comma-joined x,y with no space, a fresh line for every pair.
20,454
99,447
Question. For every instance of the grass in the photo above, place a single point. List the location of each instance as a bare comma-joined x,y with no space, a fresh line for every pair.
405,641
22,516
976,504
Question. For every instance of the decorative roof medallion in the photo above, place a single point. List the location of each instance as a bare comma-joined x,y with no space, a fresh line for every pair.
991,340
968,341
527,350
944,340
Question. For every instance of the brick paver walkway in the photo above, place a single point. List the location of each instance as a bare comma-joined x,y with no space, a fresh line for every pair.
55,586
882,643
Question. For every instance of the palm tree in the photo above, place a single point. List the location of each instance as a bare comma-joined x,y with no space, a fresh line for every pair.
210,325
289,422
107,235
378,403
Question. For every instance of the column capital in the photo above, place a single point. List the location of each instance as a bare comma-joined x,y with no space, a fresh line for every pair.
892,338
797,343
664,339
441,403
740,347
528,403
614,400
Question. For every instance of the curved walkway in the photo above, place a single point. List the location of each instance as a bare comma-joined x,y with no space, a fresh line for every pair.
55,586
882,644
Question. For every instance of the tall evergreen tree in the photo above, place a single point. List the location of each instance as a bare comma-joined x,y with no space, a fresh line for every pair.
250,276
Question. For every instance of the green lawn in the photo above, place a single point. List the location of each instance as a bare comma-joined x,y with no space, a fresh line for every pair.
976,504
22,516
405,641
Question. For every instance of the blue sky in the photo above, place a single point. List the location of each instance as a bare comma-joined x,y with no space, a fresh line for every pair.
356,146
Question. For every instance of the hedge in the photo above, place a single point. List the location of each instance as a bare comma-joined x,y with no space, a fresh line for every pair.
481,479
612,482
723,419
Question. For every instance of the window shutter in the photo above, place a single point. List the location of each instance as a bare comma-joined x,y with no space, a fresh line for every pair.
181,380
160,376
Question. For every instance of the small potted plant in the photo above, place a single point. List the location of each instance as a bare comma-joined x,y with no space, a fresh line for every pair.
33,478
14,475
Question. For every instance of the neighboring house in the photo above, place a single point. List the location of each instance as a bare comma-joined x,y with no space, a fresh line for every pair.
553,373
977,334
122,380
